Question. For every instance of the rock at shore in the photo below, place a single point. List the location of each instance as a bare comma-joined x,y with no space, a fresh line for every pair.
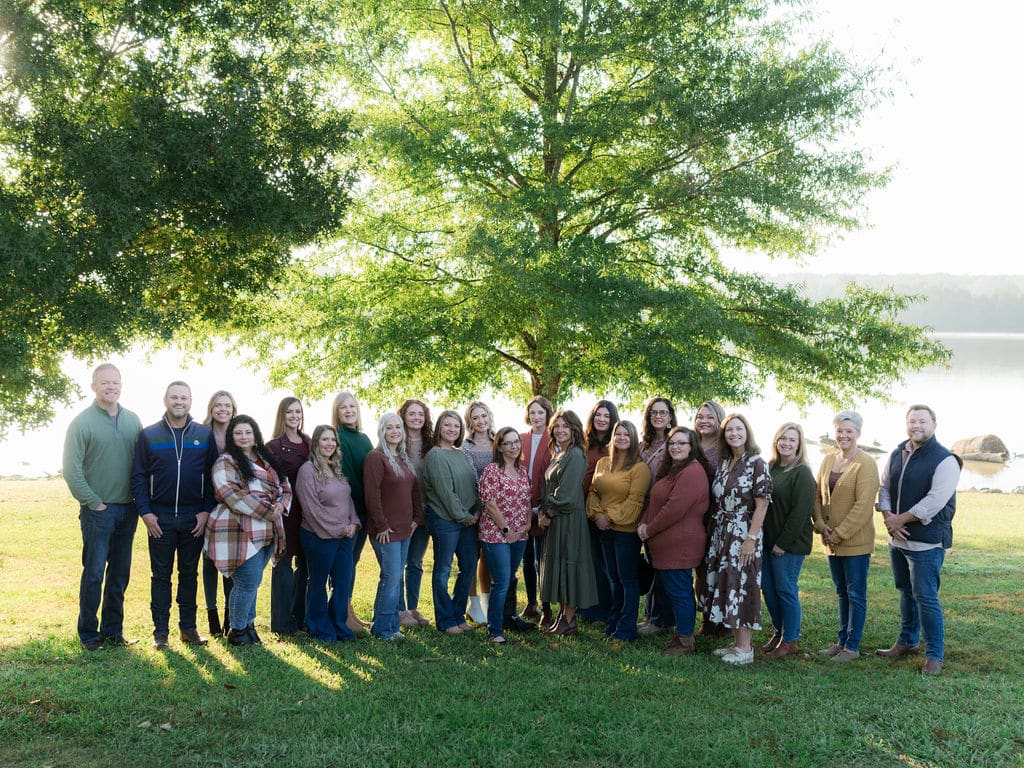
982,448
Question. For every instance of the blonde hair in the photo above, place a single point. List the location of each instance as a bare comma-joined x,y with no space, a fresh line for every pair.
801,450
341,398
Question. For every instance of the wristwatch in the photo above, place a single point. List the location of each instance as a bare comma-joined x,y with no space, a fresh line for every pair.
505,530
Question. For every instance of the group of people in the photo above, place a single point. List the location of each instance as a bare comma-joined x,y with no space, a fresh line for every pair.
599,515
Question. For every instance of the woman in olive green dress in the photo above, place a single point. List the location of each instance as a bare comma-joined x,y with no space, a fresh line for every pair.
567,571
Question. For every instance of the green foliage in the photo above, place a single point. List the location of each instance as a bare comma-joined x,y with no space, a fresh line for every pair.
158,161
546,188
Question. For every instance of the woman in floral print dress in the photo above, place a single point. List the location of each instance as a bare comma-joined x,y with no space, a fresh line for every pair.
741,491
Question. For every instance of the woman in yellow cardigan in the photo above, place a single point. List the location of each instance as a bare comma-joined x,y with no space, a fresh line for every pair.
615,503
843,515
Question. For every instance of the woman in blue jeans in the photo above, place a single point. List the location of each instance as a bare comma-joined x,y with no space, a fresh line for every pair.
329,527
247,524
453,508
844,516
505,525
419,437
395,512
788,530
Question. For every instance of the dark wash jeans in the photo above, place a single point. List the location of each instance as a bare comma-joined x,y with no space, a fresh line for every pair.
177,541
107,537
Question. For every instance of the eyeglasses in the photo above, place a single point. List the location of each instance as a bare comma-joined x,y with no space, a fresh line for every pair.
678,443
511,443
659,412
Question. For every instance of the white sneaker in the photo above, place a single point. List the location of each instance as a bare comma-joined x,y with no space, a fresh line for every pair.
736,656
647,629
724,651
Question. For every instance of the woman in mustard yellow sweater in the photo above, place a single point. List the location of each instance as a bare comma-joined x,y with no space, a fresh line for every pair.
843,515
615,503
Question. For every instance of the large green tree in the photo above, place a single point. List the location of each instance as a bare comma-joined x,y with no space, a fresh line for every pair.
159,161
546,189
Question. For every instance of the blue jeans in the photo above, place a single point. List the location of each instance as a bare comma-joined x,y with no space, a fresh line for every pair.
328,560
600,611
107,538
391,557
288,595
917,578
247,579
409,596
451,540
679,588
850,575
210,578
780,575
621,556
502,561
177,539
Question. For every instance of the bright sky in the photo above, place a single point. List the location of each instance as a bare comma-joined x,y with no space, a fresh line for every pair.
952,132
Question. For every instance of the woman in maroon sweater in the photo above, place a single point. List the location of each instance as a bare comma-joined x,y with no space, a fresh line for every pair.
673,527
394,511
290,447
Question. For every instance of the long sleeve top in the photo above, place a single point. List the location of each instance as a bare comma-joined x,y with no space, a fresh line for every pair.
327,507
675,518
563,483
290,457
171,470
449,485
790,519
619,494
354,446
242,523
98,454
392,501
849,508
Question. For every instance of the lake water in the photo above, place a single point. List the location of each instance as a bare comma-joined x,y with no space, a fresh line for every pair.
986,370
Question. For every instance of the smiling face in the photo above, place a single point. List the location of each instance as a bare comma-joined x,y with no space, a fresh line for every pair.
736,435
621,439
394,434
562,432
510,444
660,416
706,422
348,413
846,435
415,418
106,384
920,426
222,411
244,437
448,431
293,416
177,402
327,443
479,420
602,420
679,446
787,445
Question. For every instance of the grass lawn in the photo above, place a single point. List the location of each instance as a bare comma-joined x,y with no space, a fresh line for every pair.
439,700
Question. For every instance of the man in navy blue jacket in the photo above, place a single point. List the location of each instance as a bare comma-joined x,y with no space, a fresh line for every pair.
917,500
174,496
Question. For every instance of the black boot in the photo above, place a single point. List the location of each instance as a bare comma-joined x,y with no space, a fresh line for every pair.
214,617
509,619
251,629
239,637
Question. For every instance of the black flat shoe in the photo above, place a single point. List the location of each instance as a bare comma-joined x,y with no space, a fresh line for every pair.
517,624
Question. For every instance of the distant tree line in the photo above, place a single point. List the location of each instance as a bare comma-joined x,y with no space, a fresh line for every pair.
950,303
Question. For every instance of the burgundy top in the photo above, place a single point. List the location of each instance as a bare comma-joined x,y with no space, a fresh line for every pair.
291,456
392,502
675,518
512,497
541,459
594,454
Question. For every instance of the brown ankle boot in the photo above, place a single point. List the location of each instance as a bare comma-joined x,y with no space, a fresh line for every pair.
680,645
783,650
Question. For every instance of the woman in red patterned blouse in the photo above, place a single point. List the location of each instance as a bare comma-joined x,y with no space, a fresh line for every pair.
505,524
